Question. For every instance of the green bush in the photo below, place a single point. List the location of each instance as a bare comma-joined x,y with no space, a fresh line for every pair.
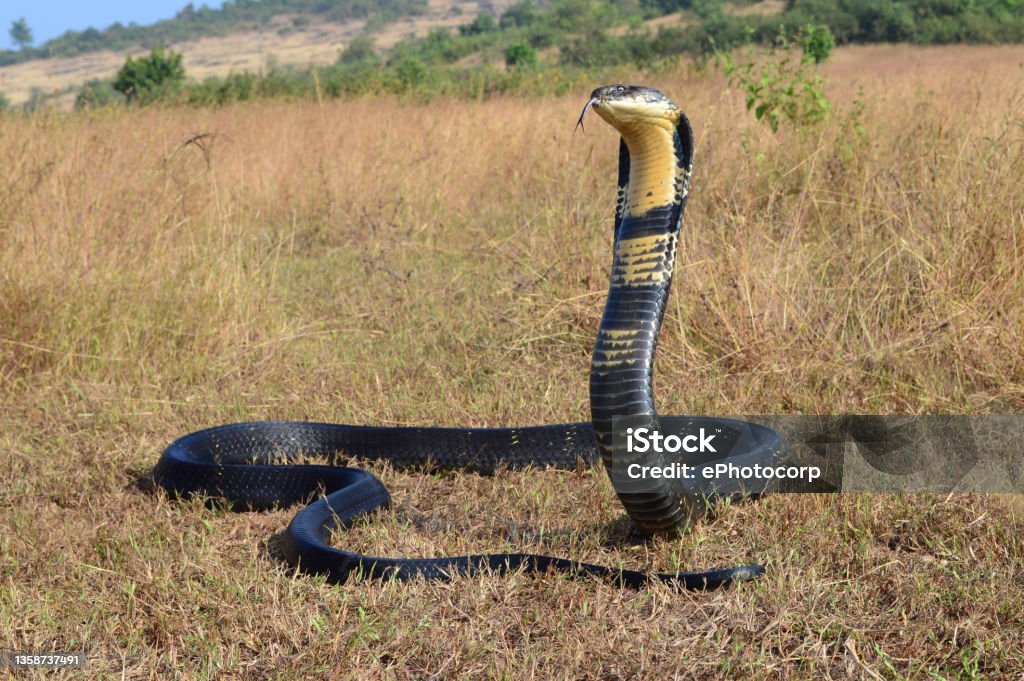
520,55
522,13
146,79
484,23
440,45
411,72
787,89
4,102
361,50
97,93
817,43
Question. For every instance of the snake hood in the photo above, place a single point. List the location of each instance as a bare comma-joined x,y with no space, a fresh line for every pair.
656,151
624,107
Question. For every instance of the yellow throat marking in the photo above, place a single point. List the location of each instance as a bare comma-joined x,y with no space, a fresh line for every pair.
653,171
655,180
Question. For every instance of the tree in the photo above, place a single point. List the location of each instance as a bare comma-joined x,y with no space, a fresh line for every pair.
149,78
21,34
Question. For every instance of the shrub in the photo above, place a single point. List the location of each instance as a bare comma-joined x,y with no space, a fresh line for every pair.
97,93
411,72
777,90
440,45
361,50
484,23
817,42
520,55
149,78
522,13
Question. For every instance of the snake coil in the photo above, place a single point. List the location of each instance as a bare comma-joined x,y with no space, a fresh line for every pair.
236,462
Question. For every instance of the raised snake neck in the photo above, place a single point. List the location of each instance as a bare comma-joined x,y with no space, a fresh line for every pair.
655,161
236,462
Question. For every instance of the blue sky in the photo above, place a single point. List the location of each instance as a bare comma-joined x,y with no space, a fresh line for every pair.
50,18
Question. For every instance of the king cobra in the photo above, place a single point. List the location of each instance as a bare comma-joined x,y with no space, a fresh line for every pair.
241,463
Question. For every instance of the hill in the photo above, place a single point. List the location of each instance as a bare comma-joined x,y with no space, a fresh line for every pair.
234,16
442,38
284,38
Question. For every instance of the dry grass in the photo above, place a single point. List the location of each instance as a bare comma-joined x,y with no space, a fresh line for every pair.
379,262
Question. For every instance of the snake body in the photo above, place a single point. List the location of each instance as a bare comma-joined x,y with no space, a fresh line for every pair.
241,463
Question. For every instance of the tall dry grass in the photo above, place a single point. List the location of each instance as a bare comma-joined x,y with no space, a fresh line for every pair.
377,261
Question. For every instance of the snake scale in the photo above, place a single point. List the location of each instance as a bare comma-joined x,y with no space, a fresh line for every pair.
240,463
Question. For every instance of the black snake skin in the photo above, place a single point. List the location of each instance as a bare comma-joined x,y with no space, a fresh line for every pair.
248,463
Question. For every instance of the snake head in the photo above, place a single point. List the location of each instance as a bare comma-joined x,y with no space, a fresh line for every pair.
625,106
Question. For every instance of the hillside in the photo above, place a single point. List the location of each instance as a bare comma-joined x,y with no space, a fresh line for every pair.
427,41
234,16
249,50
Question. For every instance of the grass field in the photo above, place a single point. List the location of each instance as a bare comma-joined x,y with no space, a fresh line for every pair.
382,262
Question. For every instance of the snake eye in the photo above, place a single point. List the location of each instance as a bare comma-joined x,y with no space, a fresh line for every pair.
620,89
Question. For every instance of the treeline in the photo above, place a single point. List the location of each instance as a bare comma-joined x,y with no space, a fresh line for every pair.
359,70
233,17
589,33
585,31
923,22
